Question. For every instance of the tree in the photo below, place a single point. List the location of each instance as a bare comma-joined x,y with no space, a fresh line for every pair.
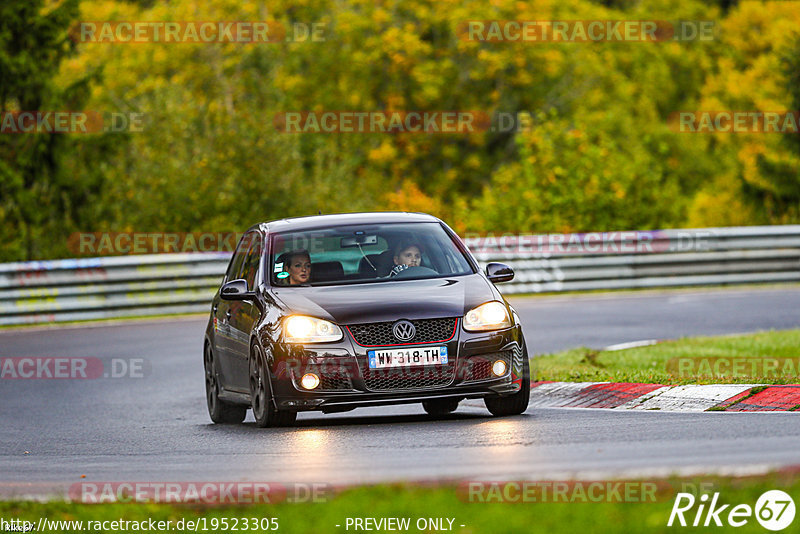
37,198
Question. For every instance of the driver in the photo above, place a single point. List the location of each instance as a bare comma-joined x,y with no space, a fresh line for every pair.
406,255
296,266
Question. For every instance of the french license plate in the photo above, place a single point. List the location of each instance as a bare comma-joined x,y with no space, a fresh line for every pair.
386,358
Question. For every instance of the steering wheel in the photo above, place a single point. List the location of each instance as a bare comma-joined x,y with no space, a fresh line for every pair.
414,272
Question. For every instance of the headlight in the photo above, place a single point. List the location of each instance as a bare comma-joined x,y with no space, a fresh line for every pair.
302,329
309,381
489,316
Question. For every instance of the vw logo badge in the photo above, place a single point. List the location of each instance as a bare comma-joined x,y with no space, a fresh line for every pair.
404,330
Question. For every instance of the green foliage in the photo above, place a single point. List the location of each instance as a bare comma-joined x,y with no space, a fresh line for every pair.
596,155
757,179
36,197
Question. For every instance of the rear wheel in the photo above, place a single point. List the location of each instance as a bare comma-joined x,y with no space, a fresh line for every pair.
221,412
440,406
261,394
518,402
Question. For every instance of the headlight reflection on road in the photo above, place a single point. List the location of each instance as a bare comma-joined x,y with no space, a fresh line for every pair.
311,441
503,436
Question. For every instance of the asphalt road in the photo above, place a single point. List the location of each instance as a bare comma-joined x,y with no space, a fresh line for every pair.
156,428
599,320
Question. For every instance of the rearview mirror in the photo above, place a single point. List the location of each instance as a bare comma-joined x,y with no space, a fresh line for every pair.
236,290
499,272
359,239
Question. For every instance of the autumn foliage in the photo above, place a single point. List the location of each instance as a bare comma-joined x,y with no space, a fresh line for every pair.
590,148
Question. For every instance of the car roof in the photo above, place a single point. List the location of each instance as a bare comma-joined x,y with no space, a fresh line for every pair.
343,219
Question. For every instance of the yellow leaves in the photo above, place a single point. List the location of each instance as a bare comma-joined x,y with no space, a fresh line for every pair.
384,153
491,62
749,156
592,187
755,27
553,61
720,204
473,161
381,16
290,82
395,102
409,197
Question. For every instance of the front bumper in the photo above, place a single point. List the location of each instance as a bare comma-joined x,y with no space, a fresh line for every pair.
346,382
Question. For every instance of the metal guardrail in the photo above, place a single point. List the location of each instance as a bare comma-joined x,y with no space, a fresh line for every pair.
111,287
627,260
123,286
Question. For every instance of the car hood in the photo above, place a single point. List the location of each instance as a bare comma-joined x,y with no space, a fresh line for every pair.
389,301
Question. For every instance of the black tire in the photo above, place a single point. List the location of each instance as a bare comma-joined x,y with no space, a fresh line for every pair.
261,394
221,412
518,402
440,406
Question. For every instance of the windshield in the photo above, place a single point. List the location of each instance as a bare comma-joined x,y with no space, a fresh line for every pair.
368,253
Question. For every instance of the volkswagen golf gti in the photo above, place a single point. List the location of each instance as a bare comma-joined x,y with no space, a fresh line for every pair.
335,312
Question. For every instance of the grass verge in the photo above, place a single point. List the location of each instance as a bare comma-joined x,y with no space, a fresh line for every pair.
572,512
764,358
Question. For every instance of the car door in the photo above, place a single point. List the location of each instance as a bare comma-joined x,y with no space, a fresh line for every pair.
244,314
224,341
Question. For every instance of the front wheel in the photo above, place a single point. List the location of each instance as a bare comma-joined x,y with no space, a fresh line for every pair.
440,406
221,412
518,402
264,412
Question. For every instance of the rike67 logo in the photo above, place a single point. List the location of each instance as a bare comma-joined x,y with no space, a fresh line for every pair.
774,510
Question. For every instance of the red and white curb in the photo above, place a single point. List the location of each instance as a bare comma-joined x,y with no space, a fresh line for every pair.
690,398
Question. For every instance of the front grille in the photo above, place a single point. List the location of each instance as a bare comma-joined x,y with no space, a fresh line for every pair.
477,368
332,382
428,331
409,377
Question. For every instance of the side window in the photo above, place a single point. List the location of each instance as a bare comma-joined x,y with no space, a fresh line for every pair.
235,266
251,263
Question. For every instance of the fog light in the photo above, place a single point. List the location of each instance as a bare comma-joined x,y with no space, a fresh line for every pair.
310,381
499,368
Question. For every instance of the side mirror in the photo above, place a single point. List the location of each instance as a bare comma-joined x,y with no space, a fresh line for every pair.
499,272
236,290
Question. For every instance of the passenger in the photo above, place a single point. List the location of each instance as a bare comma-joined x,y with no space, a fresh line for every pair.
406,255
297,264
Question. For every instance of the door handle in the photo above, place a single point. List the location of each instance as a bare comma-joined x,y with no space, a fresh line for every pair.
214,309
